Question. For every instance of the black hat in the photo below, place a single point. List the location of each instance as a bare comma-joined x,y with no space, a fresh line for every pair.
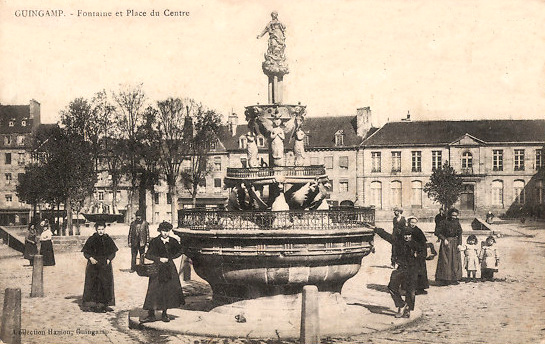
100,224
139,212
164,226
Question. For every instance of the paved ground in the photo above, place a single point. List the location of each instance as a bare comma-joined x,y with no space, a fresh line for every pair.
510,310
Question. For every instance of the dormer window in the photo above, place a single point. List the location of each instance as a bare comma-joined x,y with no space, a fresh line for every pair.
339,138
242,142
11,123
213,144
23,123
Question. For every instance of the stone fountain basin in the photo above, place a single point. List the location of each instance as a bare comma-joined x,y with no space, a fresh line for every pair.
247,264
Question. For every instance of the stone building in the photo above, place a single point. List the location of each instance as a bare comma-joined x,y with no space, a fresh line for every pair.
501,163
17,123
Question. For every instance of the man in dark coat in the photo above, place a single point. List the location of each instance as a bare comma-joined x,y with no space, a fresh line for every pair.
399,224
98,291
422,282
164,288
407,253
138,238
449,261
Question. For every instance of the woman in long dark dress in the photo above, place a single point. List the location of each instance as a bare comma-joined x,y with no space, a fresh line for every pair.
449,262
31,244
46,245
98,290
164,288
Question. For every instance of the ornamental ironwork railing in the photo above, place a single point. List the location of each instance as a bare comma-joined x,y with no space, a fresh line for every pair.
332,219
264,172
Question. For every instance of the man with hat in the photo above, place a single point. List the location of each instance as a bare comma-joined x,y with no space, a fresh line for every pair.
138,238
407,254
399,224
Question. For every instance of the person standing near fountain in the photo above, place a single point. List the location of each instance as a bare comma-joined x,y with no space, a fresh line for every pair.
46,245
164,288
98,290
138,239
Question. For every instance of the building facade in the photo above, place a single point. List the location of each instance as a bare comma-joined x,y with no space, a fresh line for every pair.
17,124
500,161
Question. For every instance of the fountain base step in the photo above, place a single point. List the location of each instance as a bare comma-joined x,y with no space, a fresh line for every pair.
279,317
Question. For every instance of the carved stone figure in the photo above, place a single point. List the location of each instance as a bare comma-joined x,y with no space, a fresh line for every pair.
277,137
299,147
252,150
275,60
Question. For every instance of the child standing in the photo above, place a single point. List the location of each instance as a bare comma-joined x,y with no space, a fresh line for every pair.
471,257
489,259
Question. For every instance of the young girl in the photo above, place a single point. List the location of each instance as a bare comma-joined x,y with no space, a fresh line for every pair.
471,257
489,259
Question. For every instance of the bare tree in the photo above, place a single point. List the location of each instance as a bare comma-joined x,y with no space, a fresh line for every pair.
129,116
172,115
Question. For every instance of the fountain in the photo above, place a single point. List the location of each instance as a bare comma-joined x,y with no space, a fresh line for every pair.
278,233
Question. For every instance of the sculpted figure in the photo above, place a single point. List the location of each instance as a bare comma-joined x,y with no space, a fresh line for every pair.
299,147
277,39
277,143
252,150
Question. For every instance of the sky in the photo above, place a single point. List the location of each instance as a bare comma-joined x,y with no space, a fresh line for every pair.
437,59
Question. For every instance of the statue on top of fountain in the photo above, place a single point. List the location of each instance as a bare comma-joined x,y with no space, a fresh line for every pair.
275,60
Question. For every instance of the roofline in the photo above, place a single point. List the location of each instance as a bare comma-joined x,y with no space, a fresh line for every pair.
447,145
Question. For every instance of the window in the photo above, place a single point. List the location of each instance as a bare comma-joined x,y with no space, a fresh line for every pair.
375,161
497,159
343,162
417,161
156,198
339,138
396,161
540,162
101,195
331,183
328,162
436,160
395,190
213,144
376,195
23,123
244,162
518,191
416,194
20,140
7,140
9,198
519,159
540,192
7,159
343,186
21,158
242,142
217,163
467,163
11,123
497,193
8,178
217,185
169,198
306,140
314,160
260,141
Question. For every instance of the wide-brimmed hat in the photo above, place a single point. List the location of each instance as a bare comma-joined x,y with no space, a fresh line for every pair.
398,209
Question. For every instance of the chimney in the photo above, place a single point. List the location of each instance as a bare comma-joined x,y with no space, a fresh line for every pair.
363,121
233,123
34,113
408,119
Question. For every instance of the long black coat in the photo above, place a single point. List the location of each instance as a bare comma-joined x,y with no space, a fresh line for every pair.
419,237
99,277
164,289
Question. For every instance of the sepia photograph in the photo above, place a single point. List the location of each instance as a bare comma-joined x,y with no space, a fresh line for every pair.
234,171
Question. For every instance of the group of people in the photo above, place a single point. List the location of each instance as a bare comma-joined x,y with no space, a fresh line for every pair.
38,241
410,252
164,287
